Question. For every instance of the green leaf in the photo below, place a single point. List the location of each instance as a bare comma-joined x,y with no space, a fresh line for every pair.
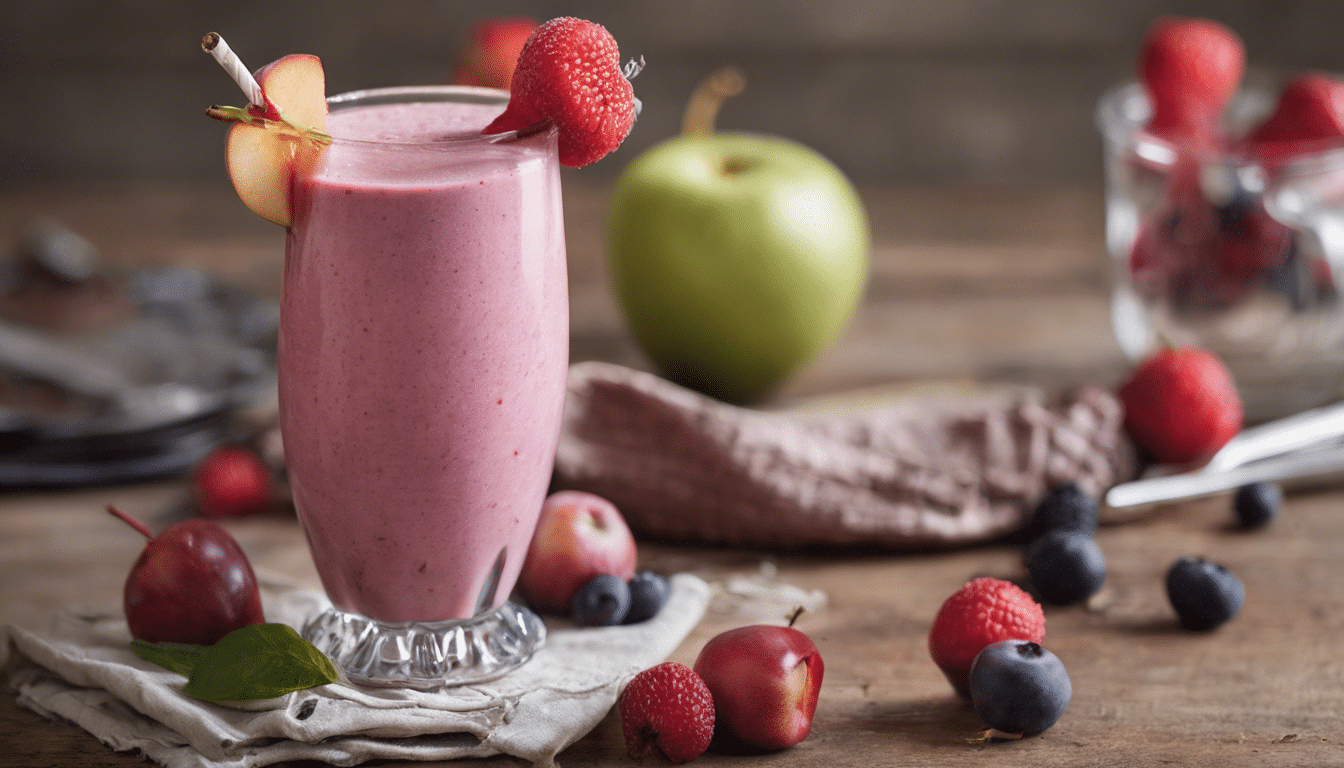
175,657
261,661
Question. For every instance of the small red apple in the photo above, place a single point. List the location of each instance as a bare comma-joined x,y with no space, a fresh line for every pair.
191,584
579,536
765,681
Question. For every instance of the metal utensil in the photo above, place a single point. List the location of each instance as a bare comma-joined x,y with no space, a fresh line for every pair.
1306,463
131,404
1301,445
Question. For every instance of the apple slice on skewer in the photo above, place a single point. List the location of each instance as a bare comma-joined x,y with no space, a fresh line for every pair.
263,159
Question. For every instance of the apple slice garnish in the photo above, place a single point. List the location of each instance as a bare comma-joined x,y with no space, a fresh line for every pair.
270,144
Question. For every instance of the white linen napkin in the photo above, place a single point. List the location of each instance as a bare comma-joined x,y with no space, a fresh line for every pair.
84,671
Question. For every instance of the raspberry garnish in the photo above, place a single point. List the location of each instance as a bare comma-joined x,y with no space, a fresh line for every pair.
984,611
569,74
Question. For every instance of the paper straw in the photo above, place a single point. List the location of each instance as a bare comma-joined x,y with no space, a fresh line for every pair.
214,45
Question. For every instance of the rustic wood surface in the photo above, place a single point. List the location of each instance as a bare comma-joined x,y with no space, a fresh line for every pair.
969,285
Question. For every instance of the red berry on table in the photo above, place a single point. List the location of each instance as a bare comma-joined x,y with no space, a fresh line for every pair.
232,481
569,74
984,611
1309,114
667,710
1181,405
1190,68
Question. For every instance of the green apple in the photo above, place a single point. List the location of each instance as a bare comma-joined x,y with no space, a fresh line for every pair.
738,257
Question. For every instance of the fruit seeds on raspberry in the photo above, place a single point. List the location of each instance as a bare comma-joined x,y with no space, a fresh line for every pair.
569,74
984,611
669,710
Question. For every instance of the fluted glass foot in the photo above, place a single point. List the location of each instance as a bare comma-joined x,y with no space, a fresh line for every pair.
428,655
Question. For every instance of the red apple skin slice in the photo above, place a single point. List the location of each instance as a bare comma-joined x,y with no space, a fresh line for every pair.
263,162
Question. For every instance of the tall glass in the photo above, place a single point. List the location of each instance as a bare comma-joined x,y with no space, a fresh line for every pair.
422,355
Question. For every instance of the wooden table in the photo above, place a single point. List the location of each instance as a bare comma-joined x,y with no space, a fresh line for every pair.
986,285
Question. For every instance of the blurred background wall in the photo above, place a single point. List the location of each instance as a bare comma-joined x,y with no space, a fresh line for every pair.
979,91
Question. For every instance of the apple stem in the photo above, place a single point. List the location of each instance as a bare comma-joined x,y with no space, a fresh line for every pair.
116,512
214,45
796,613
247,117
708,97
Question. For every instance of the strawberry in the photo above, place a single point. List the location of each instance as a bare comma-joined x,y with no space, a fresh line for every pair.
1181,405
493,52
667,709
232,481
569,74
984,611
1309,114
1190,67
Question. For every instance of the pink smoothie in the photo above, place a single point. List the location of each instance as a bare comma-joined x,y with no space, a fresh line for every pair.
423,351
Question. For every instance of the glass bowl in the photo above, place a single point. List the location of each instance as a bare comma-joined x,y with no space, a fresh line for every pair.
1232,251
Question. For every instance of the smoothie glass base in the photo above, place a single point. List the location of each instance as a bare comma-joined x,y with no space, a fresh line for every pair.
428,655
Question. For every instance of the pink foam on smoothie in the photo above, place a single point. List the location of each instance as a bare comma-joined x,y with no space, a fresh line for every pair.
423,347
418,122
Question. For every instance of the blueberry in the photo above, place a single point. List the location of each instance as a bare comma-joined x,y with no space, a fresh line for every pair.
1019,687
1204,594
648,593
1066,566
602,602
1064,508
1258,503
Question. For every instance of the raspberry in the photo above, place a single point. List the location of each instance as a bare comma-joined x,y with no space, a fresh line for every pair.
1190,68
1308,114
232,481
569,74
1181,405
984,611
667,709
